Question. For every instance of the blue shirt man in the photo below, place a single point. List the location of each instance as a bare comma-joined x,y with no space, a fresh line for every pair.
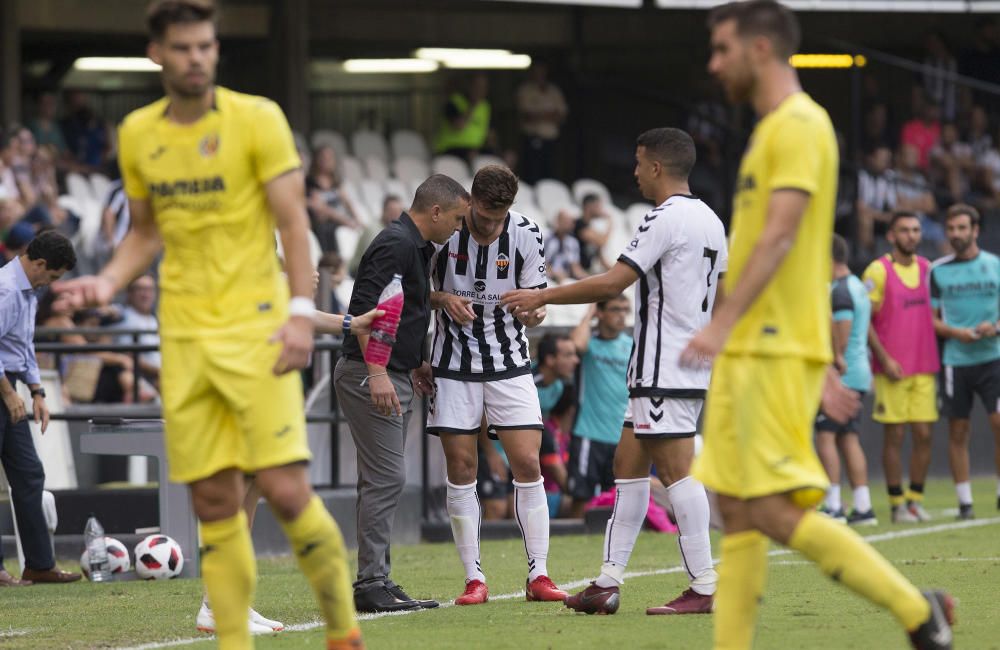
48,256
851,303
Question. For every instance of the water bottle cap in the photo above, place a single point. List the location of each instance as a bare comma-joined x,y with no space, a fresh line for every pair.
397,276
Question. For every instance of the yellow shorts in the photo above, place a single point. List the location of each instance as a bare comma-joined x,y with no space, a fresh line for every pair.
911,399
225,408
759,428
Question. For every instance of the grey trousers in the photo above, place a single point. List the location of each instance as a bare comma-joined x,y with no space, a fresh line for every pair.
379,440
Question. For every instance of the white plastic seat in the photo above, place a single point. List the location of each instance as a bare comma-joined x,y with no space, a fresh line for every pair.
347,241
585,186
452,166
100,185
351,169
525,195
377,169
410,169
553,196
482,160
369,143
79,187
329,137
409,144
372,195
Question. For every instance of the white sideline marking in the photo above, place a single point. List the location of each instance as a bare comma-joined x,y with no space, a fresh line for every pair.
871,539
11,632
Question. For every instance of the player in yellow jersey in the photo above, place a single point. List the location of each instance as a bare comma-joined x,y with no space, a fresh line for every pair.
771,338
209,174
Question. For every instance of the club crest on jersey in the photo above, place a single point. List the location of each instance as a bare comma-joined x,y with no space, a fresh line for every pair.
209,145
480,286
502,262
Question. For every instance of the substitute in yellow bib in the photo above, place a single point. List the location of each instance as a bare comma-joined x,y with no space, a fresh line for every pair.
770,336
209,174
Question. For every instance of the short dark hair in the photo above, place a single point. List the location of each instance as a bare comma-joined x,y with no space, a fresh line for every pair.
161,14
438,190
901,214
548,346
495,186
766,18
962,210
603,304
673,148
55,249
589,198
841,249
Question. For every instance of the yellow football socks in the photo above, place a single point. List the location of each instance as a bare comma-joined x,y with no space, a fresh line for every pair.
845,557
742,575
319,549
229,571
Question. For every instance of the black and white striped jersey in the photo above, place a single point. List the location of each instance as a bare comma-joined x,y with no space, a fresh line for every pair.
679,250
494,345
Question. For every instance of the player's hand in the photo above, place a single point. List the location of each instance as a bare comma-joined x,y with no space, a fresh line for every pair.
41,412
15,406
423,379
459,309
704,347
522,300
363,324
383,395
840,363
892,369
532,318
967,334
84,291
839,403
296,338
986,329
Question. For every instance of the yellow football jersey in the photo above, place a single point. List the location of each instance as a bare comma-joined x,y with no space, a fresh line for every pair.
793,147
205,181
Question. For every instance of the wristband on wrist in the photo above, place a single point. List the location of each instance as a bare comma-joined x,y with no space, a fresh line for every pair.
346,325
301,306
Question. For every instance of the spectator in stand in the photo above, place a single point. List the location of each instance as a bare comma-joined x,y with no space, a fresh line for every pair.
45,128
605,354
591,234
9,189
334,263
466,121
542,110
392,207
329,207
877,131
876,196
988,175
85,134
562,250
16,242
557,364
20,150
982,60
139,314
923,131
940,67
845,220
706,124
913,194
952,164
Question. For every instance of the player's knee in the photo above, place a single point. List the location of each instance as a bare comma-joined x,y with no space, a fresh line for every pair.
214,504
525,469
287,499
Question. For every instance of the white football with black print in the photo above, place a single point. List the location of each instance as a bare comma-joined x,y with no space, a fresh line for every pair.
158,557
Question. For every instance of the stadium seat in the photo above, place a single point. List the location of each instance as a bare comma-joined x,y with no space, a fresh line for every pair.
100,185
409,144
482,160
344,290
525,195
324,137
552,196
410,169
634,214
79,187
351,169
450,166
369,143
315,250
377,168
347,242
400,188
352,193
585,186
372,195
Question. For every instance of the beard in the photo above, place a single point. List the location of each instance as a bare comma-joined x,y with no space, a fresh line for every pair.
960,245
188,89
908,249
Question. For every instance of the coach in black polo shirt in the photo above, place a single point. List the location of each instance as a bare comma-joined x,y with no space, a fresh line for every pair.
377,401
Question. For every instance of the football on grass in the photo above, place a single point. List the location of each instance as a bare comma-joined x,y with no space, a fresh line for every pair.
158,557
117,557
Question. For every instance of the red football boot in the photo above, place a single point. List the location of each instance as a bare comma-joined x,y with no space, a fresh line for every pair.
689,602
542,588
595,600
475,593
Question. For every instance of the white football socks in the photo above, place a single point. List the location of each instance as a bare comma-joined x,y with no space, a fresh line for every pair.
862,499
531,509
631,504
466,518
964,492
690,506
833,497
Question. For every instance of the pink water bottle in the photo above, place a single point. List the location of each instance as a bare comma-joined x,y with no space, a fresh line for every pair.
384,327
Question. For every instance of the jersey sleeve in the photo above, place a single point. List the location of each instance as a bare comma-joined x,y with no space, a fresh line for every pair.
874,279
274,147
935,289
842,302
652,239
795,154
533,270
135,186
